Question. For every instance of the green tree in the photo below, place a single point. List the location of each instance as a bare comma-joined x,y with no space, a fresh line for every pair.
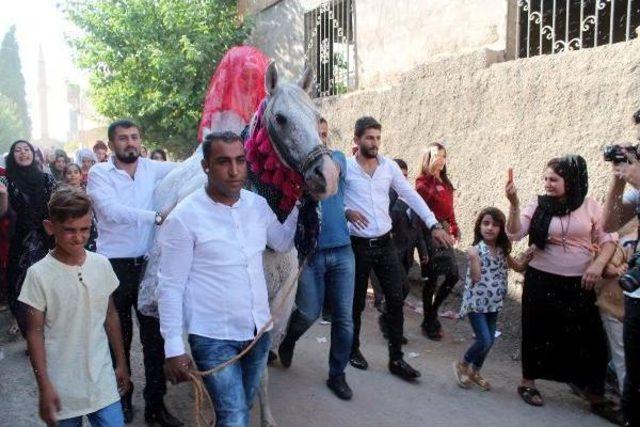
151,60
11,126
12,82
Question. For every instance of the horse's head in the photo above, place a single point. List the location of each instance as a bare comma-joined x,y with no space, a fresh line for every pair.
291,120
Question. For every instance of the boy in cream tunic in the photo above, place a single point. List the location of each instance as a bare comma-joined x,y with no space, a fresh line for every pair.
72,321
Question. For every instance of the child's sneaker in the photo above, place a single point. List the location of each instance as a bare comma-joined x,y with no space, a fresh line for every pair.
477,378
461,372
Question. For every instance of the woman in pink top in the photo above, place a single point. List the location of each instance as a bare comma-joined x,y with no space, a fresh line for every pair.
562,334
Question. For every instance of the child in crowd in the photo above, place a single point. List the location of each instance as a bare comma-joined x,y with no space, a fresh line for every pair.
610,299
73,176
72,321
485,288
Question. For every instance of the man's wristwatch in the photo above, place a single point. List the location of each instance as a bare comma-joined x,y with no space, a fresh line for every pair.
436,226
159,218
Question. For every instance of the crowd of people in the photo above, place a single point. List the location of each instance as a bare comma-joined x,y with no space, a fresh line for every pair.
81,233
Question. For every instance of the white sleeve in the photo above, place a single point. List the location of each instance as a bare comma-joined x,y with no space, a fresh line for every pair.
411,196
176,256
280,237
163,168
107,204
631,197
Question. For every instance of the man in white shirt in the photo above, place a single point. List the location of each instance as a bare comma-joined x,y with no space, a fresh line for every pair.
211,279
122,193
620,208
370,176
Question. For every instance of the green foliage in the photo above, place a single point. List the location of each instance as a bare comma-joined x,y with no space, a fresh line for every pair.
151,60
11,126
12,85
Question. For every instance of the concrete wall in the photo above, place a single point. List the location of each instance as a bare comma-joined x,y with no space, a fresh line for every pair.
392,37
494,116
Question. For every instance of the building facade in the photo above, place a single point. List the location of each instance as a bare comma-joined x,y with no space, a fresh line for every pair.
505,83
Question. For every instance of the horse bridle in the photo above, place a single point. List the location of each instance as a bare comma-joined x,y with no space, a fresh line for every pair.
317,152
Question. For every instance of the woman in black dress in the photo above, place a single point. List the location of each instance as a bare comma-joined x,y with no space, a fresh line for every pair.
29,192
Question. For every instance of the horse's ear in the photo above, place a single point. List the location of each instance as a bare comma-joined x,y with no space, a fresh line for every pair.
271,78
306,81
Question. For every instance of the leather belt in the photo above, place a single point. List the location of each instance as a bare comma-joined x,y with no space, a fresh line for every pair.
374,242
138,261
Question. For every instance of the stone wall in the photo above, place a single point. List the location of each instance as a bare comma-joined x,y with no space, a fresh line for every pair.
391,37
498,115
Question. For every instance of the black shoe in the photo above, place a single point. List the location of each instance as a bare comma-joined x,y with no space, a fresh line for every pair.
338,385
127,406
358,361
431,331
160,416
285,353
403,370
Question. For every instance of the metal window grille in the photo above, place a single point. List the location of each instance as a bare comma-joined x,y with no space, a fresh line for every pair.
555,26
330,46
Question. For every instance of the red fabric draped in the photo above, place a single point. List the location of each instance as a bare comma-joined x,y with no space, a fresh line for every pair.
236,86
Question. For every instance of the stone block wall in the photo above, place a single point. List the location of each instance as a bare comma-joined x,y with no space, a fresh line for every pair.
495,115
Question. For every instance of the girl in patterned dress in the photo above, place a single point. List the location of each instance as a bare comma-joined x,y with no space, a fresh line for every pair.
485,288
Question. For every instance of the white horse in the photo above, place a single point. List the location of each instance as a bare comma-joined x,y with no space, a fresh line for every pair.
291,119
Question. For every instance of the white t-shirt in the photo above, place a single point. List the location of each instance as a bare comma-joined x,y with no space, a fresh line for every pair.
632,196
75,300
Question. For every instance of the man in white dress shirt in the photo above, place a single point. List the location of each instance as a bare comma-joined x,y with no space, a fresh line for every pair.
211,279
122,192
370,176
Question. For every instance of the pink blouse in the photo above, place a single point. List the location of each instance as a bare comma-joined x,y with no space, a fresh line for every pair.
582,228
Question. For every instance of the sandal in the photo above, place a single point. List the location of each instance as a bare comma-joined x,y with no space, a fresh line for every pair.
529,394
475,377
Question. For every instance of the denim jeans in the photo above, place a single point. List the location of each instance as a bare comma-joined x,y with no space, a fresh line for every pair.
109,416
328,276
233,388
484,326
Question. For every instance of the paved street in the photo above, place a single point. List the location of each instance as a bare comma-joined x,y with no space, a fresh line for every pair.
299,396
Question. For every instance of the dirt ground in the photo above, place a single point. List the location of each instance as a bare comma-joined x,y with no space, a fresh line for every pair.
299,396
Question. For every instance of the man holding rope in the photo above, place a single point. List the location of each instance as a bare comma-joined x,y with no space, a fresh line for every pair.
211,276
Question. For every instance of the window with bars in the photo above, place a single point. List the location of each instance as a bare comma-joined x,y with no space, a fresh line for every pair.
554,26
330,46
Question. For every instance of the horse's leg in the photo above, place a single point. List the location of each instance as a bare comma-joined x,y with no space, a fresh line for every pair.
266,417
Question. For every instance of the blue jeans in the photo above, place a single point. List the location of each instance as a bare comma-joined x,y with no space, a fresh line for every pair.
233,388
109,416
484,326
329,274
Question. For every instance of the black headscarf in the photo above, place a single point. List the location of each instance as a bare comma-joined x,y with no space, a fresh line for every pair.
28,179
573,169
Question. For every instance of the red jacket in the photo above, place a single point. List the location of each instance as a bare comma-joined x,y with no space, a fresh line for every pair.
439,198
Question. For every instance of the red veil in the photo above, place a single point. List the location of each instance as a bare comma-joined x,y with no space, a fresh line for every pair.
235,91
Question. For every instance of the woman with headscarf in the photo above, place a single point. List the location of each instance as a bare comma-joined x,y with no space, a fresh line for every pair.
29,192
60,162
562,334
85,158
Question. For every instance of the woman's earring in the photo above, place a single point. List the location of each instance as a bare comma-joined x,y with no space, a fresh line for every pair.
207,170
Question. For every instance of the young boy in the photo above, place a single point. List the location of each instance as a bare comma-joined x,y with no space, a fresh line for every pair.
70,316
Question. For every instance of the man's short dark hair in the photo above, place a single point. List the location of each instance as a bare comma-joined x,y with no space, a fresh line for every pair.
402,164
364,123
636,117
226,137
322,120
68,203
124,123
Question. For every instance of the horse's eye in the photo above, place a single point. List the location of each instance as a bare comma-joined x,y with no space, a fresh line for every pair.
280,119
